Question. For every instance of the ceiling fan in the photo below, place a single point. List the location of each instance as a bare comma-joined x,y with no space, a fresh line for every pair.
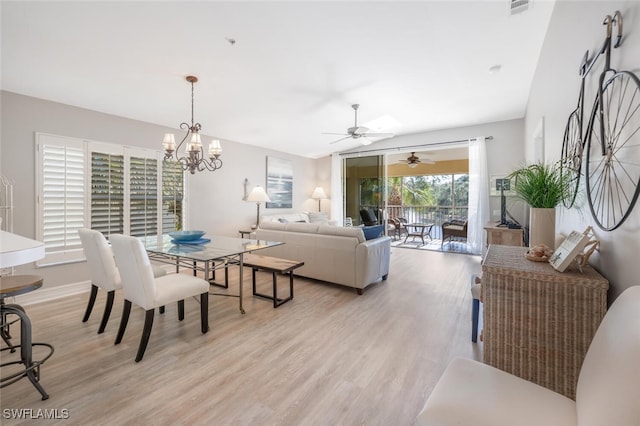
413,160
359,132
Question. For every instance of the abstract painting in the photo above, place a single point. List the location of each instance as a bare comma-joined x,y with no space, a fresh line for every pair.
279,183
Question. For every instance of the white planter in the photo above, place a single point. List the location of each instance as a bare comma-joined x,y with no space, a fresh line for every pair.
542,227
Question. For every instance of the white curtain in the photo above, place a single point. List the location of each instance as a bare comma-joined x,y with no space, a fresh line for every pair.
479,211
337,212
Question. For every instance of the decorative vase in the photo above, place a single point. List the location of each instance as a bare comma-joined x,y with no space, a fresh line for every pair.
542,227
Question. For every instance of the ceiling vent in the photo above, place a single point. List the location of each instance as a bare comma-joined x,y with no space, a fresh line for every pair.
518,6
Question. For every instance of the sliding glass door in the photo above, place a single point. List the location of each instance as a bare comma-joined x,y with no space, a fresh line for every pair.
364,188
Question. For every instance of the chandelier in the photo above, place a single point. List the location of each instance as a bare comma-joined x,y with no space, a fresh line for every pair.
193,157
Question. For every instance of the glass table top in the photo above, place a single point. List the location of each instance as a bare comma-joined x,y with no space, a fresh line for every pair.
217,248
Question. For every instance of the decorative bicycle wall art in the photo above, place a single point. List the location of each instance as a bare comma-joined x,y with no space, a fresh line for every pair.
612,138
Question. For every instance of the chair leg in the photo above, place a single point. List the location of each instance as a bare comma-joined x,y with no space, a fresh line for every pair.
107,311
92,301
146,332
126,310
180,310
204,312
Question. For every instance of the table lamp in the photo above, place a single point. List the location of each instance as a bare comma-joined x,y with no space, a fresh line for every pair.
319,194
258,195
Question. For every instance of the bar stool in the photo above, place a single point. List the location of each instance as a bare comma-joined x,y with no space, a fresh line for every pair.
12,286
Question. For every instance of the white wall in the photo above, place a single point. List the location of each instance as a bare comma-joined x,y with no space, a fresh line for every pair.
574,28
215,197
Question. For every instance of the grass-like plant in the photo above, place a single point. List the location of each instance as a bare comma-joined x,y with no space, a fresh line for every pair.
540,185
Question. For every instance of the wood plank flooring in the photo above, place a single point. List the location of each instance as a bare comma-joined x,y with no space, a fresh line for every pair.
328,357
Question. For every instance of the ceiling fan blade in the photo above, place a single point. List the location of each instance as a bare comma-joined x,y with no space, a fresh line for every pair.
341,139
378,135
340,134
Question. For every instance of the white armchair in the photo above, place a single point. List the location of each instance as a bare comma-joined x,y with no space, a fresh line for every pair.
140,287
608,390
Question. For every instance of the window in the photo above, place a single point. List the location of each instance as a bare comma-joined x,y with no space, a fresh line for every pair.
60,196
107,187
107,192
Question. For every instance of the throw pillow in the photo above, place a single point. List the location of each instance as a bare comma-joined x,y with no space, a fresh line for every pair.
318,218
371,232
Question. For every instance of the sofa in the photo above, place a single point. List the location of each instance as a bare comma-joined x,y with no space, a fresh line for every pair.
340,255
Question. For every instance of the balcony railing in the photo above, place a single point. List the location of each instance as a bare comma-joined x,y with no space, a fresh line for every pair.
425,214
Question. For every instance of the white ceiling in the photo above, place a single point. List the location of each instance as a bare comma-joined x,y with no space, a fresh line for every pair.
294,71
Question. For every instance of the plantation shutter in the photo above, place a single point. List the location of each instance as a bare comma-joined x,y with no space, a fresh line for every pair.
107,193
62,197
172,196
143,196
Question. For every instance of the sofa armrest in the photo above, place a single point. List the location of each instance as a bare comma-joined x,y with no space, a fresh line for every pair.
372,261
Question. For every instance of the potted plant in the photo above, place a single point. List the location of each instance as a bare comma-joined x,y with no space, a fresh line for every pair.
542,187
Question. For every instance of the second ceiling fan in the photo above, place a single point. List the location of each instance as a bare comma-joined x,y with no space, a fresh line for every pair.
359,132
413,160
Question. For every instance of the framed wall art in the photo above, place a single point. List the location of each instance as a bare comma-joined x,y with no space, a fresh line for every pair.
279,183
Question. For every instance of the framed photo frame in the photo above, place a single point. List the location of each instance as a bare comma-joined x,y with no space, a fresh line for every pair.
279,183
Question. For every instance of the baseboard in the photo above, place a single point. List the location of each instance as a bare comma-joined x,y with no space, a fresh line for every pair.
48,294
53,293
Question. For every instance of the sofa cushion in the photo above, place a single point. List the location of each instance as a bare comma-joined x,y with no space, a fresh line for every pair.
308,228
317,217
342,232
371,232
289,217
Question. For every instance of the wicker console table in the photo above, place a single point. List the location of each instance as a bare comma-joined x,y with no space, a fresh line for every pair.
538,323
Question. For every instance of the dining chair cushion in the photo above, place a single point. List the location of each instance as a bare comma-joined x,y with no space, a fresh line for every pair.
173,287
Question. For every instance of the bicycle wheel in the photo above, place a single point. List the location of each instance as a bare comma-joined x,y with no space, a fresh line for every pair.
613,151
571,160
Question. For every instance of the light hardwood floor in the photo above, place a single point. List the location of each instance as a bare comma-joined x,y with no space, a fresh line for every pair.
329,357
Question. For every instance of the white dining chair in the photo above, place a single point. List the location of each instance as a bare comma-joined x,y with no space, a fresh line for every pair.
104,272
140,287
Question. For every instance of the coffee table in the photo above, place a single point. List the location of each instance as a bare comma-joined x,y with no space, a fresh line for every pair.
419,230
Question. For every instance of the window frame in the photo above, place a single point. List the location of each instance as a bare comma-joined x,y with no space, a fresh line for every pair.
75,253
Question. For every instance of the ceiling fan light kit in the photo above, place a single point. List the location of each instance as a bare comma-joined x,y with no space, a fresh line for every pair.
194,157
360,133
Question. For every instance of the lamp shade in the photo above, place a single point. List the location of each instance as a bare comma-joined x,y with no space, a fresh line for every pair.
258,195
319,194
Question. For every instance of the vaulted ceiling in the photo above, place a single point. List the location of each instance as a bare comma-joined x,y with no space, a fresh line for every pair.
279,74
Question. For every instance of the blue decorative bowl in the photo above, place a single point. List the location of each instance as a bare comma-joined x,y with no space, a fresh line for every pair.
186,235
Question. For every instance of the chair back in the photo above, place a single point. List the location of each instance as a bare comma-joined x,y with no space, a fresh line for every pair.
138,284
608,391
368,217
102,266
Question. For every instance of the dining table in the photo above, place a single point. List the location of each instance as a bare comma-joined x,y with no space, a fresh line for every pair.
218,252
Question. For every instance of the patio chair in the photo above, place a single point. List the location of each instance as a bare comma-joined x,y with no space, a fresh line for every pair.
455,228
368,217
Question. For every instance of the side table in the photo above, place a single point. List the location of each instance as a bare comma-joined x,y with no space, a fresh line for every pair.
12,286
538,322
246,232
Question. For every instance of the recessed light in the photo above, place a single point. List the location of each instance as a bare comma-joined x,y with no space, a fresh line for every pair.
495,69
